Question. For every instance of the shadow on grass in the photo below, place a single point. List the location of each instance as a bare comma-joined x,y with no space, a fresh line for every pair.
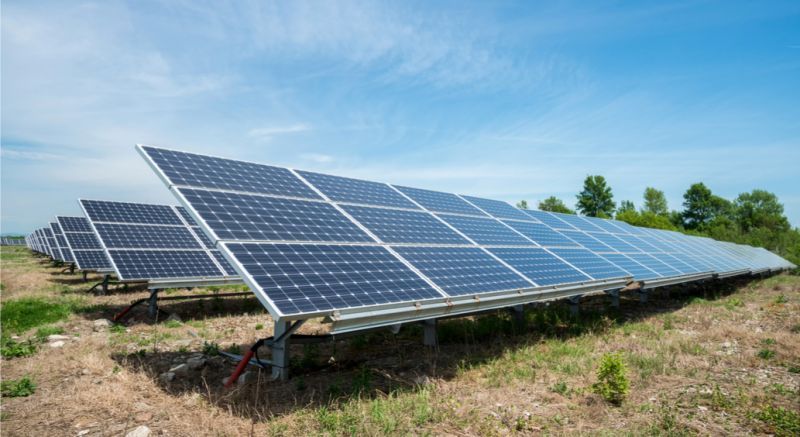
370,365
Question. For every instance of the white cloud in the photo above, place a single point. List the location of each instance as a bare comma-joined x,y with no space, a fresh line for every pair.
268,133
318,158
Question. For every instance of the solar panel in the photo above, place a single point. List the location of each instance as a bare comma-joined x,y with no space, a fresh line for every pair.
497,208
540,266
637,271
189,169
95,260
341,189
541,234
654,264
463,270
613,242
83,240
311,278
124,212
74,224
607,225
579,222
163,264
485,231
549,219
587,241
590,263
233,216
401,226
437,201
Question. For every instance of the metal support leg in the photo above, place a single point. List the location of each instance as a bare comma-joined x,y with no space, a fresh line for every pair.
104,285
280,351
574,305
152,304
429,333
643,296
72,268
614,297
518,311
85,274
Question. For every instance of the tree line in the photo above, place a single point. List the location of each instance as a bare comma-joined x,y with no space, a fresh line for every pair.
756,218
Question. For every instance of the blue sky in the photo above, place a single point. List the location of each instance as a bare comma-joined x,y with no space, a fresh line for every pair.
510,100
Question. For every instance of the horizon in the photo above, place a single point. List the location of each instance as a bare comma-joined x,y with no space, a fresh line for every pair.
512,102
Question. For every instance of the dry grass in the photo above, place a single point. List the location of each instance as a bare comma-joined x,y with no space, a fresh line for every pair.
693,363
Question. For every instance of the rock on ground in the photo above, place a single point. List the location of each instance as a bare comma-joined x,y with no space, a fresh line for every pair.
139,431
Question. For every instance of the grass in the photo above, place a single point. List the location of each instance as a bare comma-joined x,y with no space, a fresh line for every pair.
766,354
782,422
20,315
15,388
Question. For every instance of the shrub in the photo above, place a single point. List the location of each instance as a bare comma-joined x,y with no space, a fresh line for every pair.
14,388
211,349
766,354
612,382
13,349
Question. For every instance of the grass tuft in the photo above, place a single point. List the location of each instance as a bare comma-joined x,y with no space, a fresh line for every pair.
16,388
20,315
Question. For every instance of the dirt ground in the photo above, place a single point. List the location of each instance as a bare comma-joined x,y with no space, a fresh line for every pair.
695,358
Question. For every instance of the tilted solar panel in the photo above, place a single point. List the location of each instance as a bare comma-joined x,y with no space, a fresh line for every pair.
486,231
497,208
437,201
541,266
548,218
541,234
400,226
590,263
638,271
341,189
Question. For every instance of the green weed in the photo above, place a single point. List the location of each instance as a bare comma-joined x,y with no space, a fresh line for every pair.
14,388
612,382
765,354
19,315
783,422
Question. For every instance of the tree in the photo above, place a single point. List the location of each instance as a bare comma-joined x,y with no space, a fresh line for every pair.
655,201
625,206
701,207
596,199
554,204
759,209
522,204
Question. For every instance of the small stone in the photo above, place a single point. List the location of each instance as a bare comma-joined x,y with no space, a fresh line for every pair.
15,337
195,363
422,380
702,408
85,372
83,432
139,431
174,318
166,377
726,345
246,378
57,344
180,370
102,324
56,337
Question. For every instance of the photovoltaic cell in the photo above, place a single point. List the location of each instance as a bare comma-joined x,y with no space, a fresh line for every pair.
440,202
74,224
146,236
250,217
654,264
497,208
185,216
163,264
590,263
549,219
579,222
91,259
313,278
123,212
607,225
613,242
188,169
341,189
485,231
226,266
204,240
541,234
540,266
82,240
463,270
638,271
587,241
399,226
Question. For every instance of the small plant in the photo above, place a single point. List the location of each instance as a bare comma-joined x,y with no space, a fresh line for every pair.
210,348
561,388
234,349
768,341
259,326
173,324
733,303
13,349
117,328
793,369
782,421
668,323
15,388
781,299
795,329
46,331
766,354
612,384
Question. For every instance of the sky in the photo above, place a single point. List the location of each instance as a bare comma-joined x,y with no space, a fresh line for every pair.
507,100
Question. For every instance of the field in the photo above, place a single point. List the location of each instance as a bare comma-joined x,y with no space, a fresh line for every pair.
721,360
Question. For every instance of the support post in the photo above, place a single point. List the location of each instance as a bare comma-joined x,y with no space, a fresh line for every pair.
104,285
72,268
152,304
518,312
85,274
614,297
574,305
429,333
280,351
642,296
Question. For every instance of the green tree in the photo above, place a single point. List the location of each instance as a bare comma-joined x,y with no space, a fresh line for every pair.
759,209
522,204
655,201
554,204
596,199
701,206
625,206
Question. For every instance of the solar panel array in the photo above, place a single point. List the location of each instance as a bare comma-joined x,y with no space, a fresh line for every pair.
84,245
309,244
145,242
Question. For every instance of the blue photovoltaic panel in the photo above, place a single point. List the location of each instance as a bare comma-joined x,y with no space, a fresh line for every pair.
590,263
399,226
462,270
313,278
638,243
607,225
677,261
207,243
540,266
67,254
613,242
341,189
251,217
123,212
82,240
542,234
185,216
587,241
226,266
188,169
62,242
497,208
92,260
146,236
55,227
485,231
549,219
163,264
579,222
74,224
654,264
638,271
440,202
703,264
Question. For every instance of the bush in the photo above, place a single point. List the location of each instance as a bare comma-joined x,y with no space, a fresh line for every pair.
766,354
14,388
612,382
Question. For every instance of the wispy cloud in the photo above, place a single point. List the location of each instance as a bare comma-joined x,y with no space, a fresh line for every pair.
318,158
268,133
